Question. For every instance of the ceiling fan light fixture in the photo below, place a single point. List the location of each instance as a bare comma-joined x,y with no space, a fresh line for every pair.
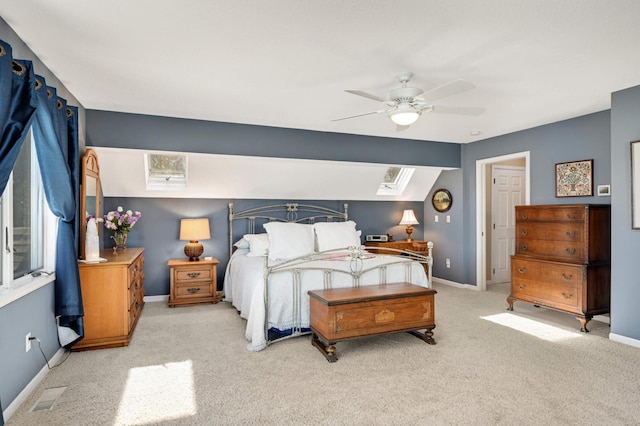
404,115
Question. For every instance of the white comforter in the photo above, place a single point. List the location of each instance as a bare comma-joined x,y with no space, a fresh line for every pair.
244,288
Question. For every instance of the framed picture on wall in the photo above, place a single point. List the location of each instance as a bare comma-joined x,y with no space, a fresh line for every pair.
635,185
574,179
441,200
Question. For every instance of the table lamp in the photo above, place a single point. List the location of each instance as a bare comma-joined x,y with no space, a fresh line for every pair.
409,219
194,230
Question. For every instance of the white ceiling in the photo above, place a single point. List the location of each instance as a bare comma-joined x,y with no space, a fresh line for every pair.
122,173
287,63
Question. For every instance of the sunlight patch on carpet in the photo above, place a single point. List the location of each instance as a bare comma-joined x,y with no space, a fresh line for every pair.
158,393
532,327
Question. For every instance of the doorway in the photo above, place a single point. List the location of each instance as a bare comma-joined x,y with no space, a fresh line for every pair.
507,191
483,209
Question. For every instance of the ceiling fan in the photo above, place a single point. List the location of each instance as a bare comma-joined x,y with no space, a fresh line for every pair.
406,104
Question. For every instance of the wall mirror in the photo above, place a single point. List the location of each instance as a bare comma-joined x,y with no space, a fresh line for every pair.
90,196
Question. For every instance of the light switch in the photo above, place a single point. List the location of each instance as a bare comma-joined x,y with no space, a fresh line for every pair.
448,219
436,218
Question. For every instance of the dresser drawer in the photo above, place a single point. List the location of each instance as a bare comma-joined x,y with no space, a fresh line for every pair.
549,249
193,274
550,213
573,232
554,296
193,290
560,274
136,268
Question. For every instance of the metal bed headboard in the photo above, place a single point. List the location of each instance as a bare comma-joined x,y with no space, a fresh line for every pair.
288,212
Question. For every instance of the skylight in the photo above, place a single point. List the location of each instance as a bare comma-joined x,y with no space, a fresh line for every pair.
395,180
164,172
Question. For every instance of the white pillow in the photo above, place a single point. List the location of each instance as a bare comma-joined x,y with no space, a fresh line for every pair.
289,240
336,235
258,244
242,243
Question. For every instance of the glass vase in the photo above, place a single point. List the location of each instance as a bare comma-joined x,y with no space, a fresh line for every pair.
120,239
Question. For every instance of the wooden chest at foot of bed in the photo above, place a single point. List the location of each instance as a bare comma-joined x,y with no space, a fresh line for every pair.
347,313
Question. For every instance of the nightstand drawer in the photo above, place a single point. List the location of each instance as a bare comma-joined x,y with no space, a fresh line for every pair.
193,274
187,290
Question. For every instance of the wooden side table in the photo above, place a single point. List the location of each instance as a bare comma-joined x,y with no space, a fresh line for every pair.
398,245
192,283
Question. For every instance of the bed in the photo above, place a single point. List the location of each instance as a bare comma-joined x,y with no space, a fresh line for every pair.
301,248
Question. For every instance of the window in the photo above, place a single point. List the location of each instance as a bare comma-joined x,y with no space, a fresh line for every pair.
165,171
23,215
395,180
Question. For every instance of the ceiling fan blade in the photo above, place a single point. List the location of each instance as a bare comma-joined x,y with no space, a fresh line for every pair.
366,95
448,89
446,109
359,115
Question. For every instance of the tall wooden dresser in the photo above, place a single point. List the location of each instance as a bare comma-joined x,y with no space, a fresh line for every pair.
563,259
112,294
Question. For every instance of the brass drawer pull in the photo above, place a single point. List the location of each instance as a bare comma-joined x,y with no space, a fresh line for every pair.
193,274
572,216
525,216
525,231
567,277
571,234
524,247
522,270
570,252
193,290
522,286
567,297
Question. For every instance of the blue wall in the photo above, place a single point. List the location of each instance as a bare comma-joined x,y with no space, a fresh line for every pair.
581,138
158,229
625,242
120,130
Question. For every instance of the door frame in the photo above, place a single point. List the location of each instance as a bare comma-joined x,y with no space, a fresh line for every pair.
481,209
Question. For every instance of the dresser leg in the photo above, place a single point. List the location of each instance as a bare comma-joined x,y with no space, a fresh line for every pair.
583,323
510,301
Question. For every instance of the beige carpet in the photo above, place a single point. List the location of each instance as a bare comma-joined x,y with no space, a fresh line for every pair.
189,366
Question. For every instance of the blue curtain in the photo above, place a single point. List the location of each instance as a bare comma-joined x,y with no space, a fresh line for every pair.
56,146
17,105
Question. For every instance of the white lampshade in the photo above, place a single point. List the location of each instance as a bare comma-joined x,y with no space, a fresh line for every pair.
404,115
409,218
194,229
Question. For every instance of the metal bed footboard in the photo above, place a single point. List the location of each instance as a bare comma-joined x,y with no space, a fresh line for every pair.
356,255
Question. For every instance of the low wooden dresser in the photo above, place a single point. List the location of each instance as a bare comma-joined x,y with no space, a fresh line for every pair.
347,313
563,259
398,245
380,246
113,297
192,283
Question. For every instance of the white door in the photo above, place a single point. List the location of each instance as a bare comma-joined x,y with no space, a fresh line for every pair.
507,191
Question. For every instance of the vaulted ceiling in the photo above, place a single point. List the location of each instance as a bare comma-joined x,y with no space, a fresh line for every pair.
287,63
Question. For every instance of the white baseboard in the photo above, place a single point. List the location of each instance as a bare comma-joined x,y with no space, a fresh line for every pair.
625,340
454,284
156,298
31,386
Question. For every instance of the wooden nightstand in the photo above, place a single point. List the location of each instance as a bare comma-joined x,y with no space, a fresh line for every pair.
192,282
398,245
